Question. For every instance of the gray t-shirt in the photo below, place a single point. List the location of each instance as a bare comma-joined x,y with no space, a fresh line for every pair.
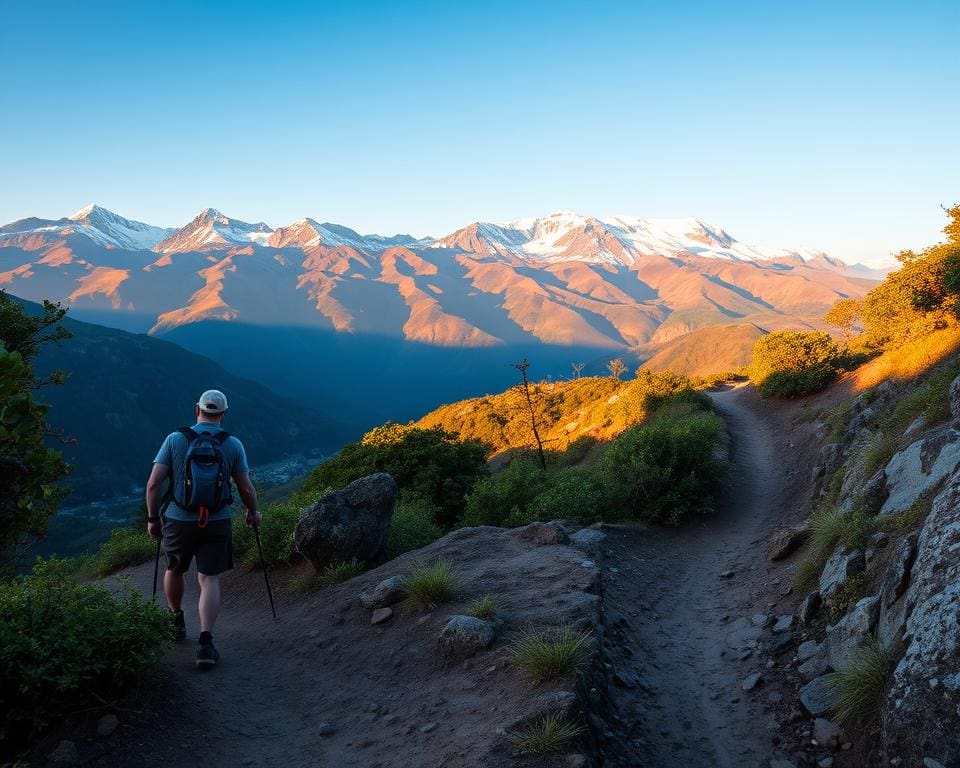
173,454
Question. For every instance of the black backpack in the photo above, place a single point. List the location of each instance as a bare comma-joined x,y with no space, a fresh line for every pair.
205,485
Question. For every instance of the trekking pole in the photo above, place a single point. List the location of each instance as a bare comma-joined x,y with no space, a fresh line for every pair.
256,530
156,569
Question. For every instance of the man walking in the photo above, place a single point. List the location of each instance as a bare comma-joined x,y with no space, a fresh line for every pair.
200,461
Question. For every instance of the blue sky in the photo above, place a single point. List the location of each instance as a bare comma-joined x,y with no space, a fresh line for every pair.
831,125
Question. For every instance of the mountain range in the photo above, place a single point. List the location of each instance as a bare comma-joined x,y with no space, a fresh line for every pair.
557,288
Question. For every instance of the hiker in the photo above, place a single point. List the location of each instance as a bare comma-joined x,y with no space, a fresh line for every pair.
195,465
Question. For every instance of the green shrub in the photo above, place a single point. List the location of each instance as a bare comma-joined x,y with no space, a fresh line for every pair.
855,693
276,535
413,526
431,584
547,734
125,547
575,493
483,607
427,463
666,468
65,646
495,499
828,527
551,654
807,574
790,363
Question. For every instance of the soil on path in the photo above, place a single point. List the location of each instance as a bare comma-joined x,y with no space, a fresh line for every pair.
684,610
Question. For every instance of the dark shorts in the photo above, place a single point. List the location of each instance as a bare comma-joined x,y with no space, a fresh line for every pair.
212,546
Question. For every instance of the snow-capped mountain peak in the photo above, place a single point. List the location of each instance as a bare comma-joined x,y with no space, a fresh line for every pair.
104,227
212,229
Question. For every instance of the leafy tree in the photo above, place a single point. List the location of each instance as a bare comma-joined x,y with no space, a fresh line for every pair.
29,470
431,464
844,315
788,363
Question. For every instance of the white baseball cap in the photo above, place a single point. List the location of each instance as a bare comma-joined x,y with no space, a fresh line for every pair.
213,401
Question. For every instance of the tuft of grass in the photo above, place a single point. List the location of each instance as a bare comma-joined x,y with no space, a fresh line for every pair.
332,574
548,734
856,692
881,449
551,654
483,607
829,527
806,575
431,584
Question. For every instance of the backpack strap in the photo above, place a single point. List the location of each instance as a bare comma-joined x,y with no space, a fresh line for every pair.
222,436
188,433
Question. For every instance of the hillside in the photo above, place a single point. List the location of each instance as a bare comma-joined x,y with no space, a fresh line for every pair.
127,391
590,409
707,350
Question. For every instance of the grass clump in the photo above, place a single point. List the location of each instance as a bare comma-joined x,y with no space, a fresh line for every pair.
431,584
829,527
850,593
547,734
856,692
483,607
547,655
331,575
807,574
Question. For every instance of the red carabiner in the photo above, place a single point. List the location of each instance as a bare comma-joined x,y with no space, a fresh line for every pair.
204,517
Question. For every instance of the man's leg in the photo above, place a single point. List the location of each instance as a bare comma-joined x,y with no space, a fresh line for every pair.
173,587
209,601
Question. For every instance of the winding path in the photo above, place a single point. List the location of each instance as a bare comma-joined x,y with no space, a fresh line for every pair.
680,621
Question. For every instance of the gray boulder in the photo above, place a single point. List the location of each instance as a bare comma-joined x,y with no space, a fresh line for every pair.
955,398
786,541
874,493
811,605
843,564
463,636
588,539
387,592
921,467
920,720
897,576
826,732
542,533
808,649
350,524
852,632
814,667
814,696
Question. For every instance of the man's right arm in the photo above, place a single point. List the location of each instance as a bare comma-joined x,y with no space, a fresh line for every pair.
156,488
248,495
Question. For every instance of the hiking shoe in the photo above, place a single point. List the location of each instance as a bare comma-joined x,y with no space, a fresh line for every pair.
179,626
207,655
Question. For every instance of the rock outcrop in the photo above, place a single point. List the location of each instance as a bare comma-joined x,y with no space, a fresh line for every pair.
353,523
920,468
922,714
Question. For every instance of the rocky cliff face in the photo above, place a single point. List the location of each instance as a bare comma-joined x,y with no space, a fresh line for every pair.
898,587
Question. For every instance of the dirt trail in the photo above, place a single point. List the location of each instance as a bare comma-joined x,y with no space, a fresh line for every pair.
680,630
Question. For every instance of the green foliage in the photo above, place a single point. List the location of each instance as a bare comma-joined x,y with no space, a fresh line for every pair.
431,584
428,463
790,363
551,654
29,470
413,525
844,315
910,518
807,573
546,734
666,469
508,494
276,535
850,593
65,645
856,692
581,494
484,607
125,547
